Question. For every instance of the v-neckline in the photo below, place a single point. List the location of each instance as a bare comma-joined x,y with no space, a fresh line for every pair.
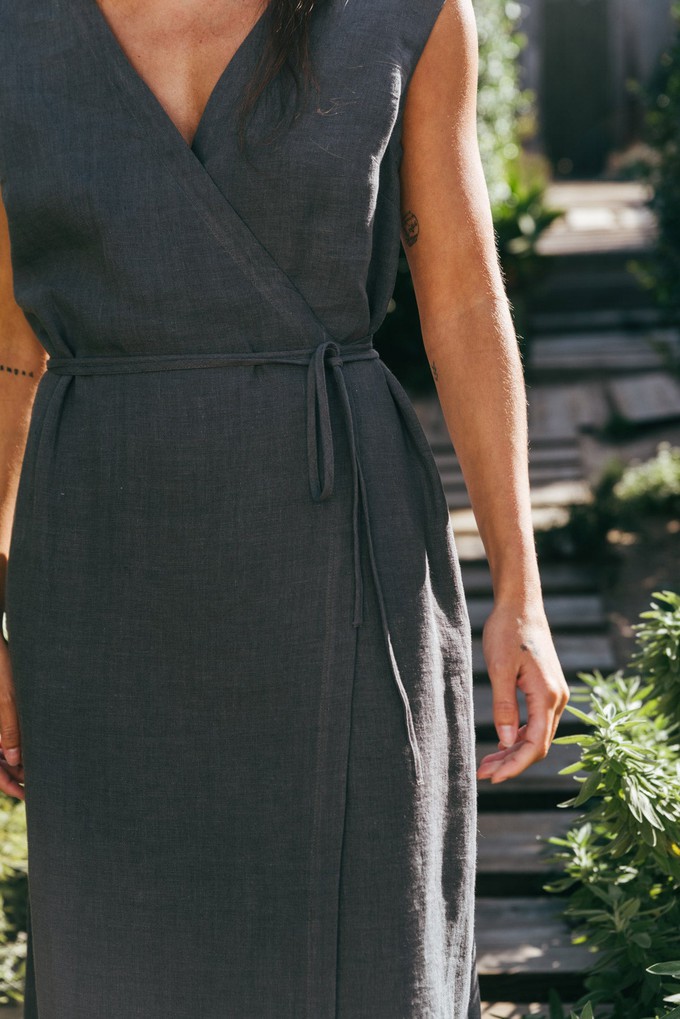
103,34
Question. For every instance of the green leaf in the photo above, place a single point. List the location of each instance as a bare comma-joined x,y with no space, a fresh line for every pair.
588,788
675,1014
670,969
579,714
583,739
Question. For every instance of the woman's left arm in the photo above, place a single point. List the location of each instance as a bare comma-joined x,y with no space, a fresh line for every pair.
449,240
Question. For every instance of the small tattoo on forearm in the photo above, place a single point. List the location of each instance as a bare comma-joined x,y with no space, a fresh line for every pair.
14,371
435,373
410,226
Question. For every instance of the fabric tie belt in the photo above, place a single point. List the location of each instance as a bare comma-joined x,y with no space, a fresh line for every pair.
319,427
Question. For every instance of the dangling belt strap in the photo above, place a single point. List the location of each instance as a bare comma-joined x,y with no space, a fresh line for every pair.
321,474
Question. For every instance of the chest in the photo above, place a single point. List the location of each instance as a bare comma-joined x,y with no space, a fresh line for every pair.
180,49
87,151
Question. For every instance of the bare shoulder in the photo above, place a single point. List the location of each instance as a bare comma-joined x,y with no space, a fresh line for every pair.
445,77
18,342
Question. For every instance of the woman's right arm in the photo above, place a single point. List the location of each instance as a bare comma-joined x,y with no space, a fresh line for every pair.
22,362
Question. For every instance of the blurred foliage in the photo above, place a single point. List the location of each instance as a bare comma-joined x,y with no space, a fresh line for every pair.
660,271
516,182
13,892
624,496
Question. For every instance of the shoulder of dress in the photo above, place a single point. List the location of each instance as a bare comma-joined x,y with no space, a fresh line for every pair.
417,19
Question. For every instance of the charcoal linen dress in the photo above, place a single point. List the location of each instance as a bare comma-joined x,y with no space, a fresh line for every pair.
234,605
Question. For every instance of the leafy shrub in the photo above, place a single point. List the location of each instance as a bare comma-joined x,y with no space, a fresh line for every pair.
13,890
622,497
652,486
557,1010
621,859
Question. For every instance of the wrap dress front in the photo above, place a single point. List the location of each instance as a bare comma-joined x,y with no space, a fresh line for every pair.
234,607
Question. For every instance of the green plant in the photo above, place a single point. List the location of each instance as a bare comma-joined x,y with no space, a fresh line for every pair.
13,891
584,533
622,497
557,1010
653,485
620,860
658,654
505,112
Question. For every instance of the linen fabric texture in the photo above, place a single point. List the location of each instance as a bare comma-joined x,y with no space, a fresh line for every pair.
235,613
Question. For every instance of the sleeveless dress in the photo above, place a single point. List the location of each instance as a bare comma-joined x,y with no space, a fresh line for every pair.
234,607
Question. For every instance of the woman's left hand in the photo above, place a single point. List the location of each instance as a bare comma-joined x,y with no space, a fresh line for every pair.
520,654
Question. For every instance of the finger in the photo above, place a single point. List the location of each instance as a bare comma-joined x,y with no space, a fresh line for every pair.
499,755
10,737
10,785
521,733
505,706
566,697
536,743
516,762
490,762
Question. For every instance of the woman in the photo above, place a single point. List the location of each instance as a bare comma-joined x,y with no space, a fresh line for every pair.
236,687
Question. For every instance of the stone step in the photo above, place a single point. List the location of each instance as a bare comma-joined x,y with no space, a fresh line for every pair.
646,399
619,319
516,1010
561,412
556,578
524,945
560,453
549,508
580,612
580,354
576,653
511,844
541,473
610,290
469,546
539,787
548,495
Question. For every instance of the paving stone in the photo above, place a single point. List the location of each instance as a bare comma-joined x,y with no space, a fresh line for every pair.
556,578
526,935
563,411
649,398
510,1010
602,351
512,842
565,612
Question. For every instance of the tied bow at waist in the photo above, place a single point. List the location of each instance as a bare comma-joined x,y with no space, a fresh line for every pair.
319,431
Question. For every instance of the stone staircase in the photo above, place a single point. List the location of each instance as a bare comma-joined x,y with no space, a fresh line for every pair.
599,352
524,946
